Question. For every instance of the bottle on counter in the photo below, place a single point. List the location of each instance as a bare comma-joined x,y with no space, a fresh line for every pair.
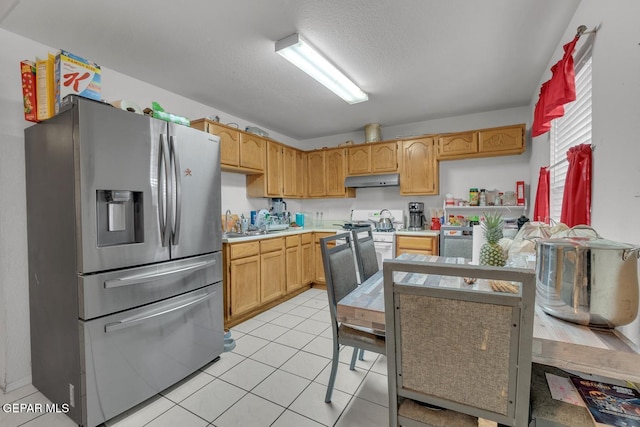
482,199
473,197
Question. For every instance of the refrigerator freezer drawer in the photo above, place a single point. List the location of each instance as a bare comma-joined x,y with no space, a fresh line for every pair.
131,356
105,293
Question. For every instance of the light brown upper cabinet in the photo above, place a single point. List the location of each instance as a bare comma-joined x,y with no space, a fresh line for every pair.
456,145
293,172
270,183
316,183
239,151
326,171
500,141
369,159
418,167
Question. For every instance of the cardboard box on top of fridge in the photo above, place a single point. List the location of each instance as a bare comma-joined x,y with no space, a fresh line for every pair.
75,75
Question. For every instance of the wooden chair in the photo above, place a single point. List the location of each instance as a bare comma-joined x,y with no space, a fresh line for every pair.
340,274
365,254
460,349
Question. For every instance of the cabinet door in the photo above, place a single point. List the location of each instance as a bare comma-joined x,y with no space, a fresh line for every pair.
504,140
229,144
301,173
425,245
289,172
335,172
272,276
307,263
319,266
244,284
359,159
384,157
293,263
229,140
274,169
458,145
252,149
315,174
419,167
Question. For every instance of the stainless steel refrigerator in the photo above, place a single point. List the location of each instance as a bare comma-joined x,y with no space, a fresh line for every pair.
125,261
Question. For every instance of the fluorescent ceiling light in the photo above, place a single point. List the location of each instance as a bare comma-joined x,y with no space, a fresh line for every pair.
303,56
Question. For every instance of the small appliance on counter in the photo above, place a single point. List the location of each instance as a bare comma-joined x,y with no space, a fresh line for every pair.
279,212
417,220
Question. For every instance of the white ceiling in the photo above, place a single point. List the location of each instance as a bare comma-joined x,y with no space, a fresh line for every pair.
417,59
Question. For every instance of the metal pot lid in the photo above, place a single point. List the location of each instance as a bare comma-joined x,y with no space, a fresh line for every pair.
586,243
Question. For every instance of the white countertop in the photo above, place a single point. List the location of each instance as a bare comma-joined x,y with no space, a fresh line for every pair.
320,229
426,233
288,232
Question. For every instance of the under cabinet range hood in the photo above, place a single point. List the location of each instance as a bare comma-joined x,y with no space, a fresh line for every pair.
385,180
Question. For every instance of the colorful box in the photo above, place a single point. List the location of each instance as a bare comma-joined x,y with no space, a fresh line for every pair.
520,193
76,76
28,72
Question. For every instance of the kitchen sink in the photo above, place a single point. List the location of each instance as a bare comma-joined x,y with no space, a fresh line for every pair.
233,234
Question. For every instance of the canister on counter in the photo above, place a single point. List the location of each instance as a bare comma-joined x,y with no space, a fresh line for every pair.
473,197
253,217
300,219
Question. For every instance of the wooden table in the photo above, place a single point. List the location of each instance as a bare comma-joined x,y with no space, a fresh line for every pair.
556,342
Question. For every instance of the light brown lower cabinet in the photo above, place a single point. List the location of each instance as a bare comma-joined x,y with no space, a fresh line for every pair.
293,263
424,245
307,259
261,272
319,266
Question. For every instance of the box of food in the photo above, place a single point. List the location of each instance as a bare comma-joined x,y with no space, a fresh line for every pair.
28,72
75,76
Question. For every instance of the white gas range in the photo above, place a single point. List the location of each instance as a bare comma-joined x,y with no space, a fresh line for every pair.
384,240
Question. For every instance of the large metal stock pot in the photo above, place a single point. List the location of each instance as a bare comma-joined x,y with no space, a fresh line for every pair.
588,280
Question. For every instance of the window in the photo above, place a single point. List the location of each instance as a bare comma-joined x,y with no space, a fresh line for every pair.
572,129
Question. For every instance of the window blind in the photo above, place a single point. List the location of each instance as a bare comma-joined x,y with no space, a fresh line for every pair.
572,129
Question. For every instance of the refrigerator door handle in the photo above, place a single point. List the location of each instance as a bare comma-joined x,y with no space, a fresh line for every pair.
144,278
151,314
175,238
164,181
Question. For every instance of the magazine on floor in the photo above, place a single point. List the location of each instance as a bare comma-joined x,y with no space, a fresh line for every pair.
610,404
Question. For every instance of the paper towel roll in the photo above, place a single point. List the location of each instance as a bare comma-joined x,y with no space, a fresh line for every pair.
123,104
476,245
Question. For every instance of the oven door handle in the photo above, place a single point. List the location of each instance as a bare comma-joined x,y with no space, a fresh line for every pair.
134,320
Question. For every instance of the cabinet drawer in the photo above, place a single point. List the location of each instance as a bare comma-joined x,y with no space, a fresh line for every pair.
318,236
291,241
271,245
305,238
241,250
408,242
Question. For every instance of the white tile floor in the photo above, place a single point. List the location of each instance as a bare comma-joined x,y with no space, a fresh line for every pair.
276,376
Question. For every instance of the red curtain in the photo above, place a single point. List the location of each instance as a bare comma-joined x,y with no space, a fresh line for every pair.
556,92
576,203
541,208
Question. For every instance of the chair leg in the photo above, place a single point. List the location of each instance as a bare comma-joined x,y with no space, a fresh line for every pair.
332,376
354,356
361,357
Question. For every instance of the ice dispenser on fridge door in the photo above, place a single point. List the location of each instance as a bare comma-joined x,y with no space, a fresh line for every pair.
119,216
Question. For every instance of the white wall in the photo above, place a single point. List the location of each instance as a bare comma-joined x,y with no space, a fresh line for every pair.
616,120
15,361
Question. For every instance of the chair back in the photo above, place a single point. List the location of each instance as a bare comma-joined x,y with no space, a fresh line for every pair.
365,254
339,269
462,349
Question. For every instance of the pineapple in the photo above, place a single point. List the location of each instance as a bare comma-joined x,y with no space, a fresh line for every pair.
491,252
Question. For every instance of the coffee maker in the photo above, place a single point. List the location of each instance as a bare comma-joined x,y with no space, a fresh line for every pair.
417,219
